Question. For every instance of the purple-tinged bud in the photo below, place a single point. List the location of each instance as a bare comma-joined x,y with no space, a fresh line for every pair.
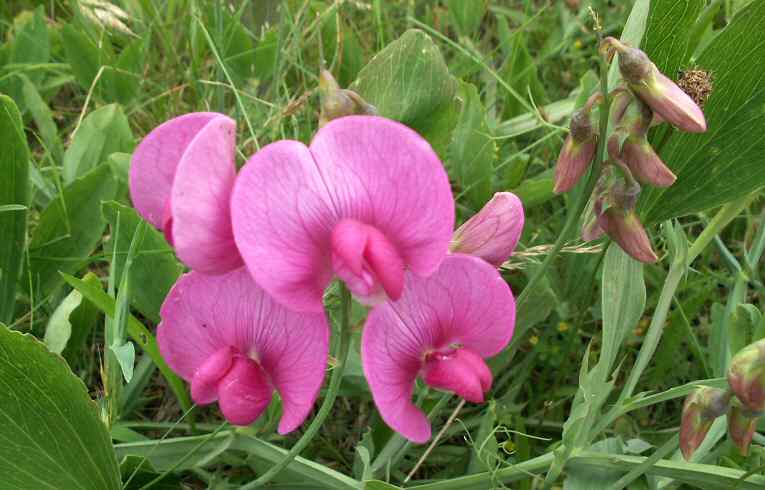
638,155
624,227
701,408
337,102
746,376
655,89
741,426
493,232
578,151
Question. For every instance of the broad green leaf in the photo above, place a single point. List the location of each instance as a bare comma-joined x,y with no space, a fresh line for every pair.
43,118
102,132
14,191
154,269
379,485
725,162
472,152
623,300
83,55
466,16
667,33
536,190
30,47
125,354
409,81
121,82
582,478
69,229
59,329
52,434
82,321
139,333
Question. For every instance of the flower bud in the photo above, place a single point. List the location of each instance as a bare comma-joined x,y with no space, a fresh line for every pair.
746,376
624,227
741,426
337,102
638,155
493,232
655,89
577,152
701,408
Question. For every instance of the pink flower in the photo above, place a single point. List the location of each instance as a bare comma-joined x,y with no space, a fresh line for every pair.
236,345
441,329
181,177
367,200
493,232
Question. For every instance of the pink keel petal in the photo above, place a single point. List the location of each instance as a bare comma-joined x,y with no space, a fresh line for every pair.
154,162
204,384
244,392
460,371
200,200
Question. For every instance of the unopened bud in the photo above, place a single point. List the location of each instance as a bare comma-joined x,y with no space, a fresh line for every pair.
746,376
493,232
638,155
741,426
578,151
625,228
655,89
701,408
337,102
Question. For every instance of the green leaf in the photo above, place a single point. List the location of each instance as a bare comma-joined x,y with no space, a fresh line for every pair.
69,229
43,118
582,478
536,190
102,132
83,55
725,162
82,321
472,152
667,33
466,16
409,81
125,354
30,47
121,83
52,435
623,300
154,268
379,485
137,332
59,329
14,191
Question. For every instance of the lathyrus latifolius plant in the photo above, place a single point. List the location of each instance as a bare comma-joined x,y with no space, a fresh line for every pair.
645,98
743,402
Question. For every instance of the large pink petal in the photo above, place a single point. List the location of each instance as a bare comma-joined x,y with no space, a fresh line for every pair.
283,218
466,303
204,314
200,200
384,174
154,161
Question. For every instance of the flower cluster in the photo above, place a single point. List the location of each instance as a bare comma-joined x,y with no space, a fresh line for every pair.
368,202
645,99
743,401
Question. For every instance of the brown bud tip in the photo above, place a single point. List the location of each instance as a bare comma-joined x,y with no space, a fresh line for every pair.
746,376
741,427
634,65
625,228
700,409
581,126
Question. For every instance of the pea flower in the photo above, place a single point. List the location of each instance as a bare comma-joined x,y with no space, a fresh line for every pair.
366,201
441,328
236,345
746,376
493,232
181,177
700,410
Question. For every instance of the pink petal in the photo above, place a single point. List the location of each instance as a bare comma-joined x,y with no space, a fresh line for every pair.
493,233
244,392
288,200
283,218
465,303
200,200
154,161
459,371
204,314
204,384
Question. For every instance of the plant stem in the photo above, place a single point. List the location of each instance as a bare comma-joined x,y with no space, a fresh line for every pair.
334,386
580,201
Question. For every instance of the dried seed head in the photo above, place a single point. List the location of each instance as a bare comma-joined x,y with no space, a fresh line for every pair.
698,84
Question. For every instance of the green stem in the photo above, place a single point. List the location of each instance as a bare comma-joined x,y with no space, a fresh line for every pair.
334,386
579,203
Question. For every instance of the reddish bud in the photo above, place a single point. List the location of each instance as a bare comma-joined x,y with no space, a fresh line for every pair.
701,408
638,155
746,376
577,152
655,89
337,102
741,427
625,228
493,232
